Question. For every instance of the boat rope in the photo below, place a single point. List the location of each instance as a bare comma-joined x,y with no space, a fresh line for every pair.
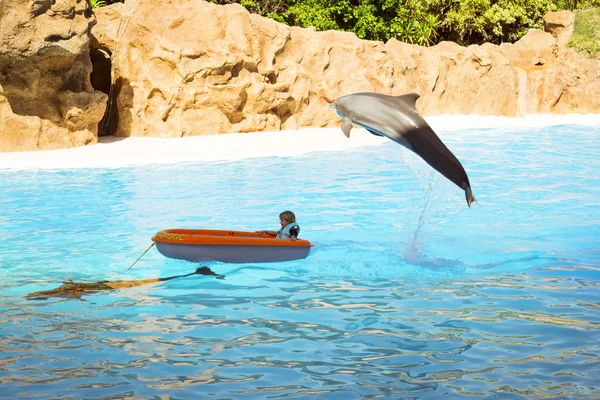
141,256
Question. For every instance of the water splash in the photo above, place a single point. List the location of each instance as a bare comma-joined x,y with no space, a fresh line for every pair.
416,250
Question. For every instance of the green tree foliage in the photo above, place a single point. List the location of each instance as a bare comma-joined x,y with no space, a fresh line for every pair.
423,22
577,4
102,3
369,19
586,32
97,3
496,21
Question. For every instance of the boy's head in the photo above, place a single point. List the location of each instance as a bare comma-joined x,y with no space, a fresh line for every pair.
286,218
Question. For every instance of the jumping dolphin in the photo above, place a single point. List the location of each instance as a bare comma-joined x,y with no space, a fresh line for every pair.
74,290
397,118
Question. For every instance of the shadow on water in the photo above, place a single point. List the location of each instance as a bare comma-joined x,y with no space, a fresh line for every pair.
75,290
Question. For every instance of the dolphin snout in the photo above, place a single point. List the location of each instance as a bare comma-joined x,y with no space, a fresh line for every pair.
334,107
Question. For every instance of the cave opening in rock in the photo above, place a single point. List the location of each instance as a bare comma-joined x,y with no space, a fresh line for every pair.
101,78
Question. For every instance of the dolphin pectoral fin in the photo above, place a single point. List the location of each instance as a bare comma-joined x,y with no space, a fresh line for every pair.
469,196
346,126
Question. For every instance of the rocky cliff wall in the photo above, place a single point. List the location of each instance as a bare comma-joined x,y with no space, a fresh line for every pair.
46,99
182,67
193,68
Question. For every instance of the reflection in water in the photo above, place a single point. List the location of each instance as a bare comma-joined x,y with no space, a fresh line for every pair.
464,336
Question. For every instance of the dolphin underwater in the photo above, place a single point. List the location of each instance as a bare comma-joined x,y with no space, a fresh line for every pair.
397,118
74,290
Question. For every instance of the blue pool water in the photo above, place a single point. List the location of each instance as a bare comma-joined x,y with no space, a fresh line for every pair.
407,292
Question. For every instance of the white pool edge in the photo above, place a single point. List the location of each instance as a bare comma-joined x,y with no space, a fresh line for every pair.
113,152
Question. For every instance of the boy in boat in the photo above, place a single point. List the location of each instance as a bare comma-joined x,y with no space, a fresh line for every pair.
289,228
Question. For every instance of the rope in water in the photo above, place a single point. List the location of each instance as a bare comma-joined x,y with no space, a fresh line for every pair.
141,256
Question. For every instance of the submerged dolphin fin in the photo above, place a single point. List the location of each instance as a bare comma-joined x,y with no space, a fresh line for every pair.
75,290
346,126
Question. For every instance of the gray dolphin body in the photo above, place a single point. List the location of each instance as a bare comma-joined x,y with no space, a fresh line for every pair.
397,118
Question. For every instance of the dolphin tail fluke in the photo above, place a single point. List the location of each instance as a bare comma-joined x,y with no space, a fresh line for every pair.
469,196
346,126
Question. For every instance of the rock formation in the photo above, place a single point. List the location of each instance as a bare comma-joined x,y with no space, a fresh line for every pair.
192,68
560,24
46,99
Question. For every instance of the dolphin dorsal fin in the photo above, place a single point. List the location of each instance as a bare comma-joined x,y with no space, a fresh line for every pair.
346,126
409,99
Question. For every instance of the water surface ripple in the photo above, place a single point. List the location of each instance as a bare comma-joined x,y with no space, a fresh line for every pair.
407,293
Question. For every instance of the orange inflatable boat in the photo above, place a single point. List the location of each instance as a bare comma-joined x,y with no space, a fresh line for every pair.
198,245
